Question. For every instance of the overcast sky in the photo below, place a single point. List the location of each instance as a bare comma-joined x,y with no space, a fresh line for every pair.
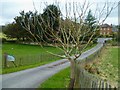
11,8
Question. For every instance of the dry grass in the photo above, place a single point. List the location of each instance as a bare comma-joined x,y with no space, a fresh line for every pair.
106,66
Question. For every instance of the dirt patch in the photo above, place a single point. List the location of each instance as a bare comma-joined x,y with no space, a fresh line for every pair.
57,64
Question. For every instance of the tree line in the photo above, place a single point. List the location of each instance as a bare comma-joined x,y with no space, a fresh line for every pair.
37,23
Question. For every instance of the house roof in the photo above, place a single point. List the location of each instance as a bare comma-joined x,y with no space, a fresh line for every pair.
105,26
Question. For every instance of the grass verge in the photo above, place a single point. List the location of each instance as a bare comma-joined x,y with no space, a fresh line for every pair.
15,69
59,80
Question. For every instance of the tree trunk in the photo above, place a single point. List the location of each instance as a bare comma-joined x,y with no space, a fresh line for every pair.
72,76
23,39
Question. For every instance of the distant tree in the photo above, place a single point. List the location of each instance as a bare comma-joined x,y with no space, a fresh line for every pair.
116,34
12,31
90,24
90,20
22,33
36,23
28,19
51,17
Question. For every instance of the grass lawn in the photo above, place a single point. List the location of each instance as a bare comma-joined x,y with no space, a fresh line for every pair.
59,80
23,50
28,56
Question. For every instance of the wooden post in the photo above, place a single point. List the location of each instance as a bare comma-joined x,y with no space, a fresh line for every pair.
20,63
5,60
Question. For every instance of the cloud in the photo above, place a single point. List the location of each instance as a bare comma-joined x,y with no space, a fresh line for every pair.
112,20
11,8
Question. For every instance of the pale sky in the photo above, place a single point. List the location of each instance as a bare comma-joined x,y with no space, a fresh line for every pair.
11,8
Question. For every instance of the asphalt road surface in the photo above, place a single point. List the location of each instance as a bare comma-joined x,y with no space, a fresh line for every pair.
32,78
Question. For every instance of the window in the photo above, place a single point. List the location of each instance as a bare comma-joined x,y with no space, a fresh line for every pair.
107,32
108,28
104,28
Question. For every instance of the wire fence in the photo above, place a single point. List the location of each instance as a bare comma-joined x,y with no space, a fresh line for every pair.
30,60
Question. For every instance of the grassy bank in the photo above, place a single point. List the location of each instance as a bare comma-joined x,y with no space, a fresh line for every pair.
15,69
107,65
59,80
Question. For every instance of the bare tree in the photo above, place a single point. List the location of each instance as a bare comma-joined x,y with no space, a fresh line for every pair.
72,31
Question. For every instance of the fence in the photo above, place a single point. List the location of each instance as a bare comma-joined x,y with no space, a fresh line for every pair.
30,60
88,80
84,79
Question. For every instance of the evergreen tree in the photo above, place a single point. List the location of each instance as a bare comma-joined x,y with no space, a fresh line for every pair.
90,20
90,25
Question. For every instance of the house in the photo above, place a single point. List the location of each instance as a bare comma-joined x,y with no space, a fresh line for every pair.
106,29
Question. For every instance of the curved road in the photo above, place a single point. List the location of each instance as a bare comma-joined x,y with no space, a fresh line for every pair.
32,78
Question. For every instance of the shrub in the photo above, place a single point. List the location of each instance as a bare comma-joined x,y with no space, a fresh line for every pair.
2,40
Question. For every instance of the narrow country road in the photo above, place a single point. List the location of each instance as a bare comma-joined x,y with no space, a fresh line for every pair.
32,78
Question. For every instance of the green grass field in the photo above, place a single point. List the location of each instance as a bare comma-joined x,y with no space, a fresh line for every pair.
23,50
28,56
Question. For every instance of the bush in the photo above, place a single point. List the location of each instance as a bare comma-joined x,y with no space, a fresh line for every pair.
95,41
109,41
2,40
11,41
113,42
